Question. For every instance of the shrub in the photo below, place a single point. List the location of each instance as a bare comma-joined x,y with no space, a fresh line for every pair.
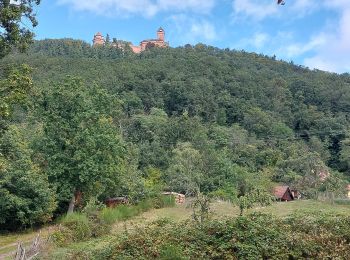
76,226
228,193
108,215
163,201
124,212
93,207
254,236
93,223
171,252
145,205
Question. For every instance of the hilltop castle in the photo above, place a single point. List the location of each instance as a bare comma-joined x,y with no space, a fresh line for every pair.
98,39
159,42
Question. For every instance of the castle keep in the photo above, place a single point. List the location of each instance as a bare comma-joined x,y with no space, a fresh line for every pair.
98,39
159,42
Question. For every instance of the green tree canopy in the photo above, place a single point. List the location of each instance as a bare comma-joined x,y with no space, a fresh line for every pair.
83,150
25,196
13,30
185,173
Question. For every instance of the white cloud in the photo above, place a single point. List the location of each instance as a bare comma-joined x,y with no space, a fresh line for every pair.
336,3
184,5
301,8
203,29
257,10
326,49
260,39
146,8
297,49
254,9
193,30
334,53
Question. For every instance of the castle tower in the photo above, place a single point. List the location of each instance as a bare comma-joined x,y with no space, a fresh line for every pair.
98,39
161,34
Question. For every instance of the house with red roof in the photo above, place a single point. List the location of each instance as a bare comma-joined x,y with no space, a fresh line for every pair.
283,193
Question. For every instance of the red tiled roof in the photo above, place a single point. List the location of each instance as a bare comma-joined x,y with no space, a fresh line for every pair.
279,191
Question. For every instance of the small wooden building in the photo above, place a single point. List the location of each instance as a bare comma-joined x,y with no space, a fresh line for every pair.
283,193
113,202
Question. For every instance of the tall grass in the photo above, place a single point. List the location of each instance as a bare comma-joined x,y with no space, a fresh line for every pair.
81,226
167,201
342,201
124,212
77,225
111,215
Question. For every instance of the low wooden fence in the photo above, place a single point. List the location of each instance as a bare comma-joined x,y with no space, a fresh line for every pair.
30,252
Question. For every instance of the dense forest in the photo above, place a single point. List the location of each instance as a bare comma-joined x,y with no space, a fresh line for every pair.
103,122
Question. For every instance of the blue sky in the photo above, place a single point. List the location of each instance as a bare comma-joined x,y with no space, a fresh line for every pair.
314,33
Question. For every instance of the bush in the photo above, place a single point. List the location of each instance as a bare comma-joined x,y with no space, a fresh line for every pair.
124,212
75,227
145,205
93,207
163,201
255,236
225,193
93,223
171,252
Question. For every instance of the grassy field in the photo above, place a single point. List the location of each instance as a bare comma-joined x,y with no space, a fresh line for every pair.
283,209
8,242
219,209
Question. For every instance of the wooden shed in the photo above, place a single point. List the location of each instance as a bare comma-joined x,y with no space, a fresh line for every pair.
179,198
113,202
283,193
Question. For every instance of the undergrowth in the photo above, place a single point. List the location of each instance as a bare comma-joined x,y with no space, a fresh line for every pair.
81,226
254,236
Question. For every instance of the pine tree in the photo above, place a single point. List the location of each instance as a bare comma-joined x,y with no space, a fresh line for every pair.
108,40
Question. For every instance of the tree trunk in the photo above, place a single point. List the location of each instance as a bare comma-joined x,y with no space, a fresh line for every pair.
71,205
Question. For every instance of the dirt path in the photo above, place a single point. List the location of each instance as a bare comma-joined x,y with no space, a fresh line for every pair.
9,243
10,249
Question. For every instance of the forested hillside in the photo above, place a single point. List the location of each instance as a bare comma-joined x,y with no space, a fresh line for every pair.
103,122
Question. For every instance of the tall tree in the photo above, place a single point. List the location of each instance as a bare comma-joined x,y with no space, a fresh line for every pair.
108,40
185,173
25,196
14,33
83,150
13,90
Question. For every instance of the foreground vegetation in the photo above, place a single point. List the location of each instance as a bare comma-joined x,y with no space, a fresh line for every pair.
249,237
94,221
300,229
82,236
